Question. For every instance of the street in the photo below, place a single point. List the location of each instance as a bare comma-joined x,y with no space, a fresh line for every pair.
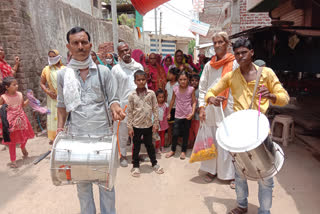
181,189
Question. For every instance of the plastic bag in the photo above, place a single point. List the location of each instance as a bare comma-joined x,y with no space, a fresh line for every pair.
204,148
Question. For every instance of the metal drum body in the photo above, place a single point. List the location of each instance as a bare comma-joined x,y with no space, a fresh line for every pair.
245,135
84,159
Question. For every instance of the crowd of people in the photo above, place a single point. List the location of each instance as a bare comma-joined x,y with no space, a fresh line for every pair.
148,96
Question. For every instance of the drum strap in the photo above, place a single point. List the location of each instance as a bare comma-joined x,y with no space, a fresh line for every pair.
256,85
104,95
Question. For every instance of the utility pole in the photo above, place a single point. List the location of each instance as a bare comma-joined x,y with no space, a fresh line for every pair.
197,37
160,43
114,25
156,30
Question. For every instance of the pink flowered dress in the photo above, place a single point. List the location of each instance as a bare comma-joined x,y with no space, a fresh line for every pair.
19,125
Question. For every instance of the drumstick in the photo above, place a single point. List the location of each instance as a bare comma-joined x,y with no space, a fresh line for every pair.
258,115
36,161
224,124
118,133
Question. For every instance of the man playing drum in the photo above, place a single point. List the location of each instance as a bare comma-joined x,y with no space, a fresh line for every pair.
80,95
242,82
220,64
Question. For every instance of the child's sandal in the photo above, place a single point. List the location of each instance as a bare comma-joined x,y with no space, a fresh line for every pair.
183,156
135,172
169,154
158,169
13,165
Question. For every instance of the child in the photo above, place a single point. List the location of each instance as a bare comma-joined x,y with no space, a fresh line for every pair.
142,104
195,123
185,108
173,81
163,113
19,126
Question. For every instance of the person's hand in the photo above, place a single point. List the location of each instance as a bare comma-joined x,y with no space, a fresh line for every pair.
118,113
17,60
52,95
59,130
146,70
130,133
202,114
265,93
216,100
189,117
182,67
169,116
155,128
26,102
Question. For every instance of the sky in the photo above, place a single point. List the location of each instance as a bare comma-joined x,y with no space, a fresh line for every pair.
174,22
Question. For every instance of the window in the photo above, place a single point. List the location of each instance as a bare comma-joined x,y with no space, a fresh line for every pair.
95,3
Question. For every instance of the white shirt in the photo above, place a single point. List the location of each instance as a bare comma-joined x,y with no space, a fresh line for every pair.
209,78
169,89
124,74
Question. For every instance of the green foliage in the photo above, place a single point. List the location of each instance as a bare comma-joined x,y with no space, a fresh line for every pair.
191,46
125,20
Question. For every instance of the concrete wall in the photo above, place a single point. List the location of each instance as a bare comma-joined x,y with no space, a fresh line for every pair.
29,28
86,6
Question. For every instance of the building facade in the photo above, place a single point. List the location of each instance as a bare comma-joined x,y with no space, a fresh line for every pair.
169,44
230,16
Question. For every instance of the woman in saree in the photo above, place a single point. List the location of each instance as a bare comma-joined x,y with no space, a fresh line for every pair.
48,83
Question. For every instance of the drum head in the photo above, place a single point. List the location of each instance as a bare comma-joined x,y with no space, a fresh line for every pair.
243,131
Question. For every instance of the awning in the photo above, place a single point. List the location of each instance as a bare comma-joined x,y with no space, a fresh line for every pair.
144,6
261,5
306,32
299,30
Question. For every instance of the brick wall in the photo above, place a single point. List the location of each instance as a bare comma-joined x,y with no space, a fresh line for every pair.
250,20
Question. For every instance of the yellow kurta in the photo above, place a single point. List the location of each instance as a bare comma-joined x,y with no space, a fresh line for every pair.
242,90
50,74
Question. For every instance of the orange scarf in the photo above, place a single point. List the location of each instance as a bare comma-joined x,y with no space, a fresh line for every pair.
227,63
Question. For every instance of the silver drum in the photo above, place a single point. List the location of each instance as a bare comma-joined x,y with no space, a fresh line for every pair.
245,134
84,159
261,163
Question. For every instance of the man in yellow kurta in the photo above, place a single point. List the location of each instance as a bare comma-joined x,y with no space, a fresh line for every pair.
49,77
241,82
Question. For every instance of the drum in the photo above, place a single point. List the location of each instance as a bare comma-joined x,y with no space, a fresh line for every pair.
245,134
84,159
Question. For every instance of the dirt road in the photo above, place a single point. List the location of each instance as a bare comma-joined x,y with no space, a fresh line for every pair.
180,190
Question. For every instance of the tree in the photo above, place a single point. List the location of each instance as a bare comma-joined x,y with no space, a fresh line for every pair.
191,46
125,20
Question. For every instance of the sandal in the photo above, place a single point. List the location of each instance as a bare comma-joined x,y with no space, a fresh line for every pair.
232,185
169,154
183,155
158,169
13,165
238,210
209,177
135,172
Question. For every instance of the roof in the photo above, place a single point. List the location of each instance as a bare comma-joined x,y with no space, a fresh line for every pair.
262,5
300,30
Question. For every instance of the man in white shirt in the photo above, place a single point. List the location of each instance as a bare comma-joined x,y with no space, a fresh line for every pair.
220,64
123,73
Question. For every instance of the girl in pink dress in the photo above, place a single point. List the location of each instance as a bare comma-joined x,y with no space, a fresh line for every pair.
163,113
19,126
184,96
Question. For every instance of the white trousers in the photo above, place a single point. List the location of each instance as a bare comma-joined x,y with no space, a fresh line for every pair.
222,165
